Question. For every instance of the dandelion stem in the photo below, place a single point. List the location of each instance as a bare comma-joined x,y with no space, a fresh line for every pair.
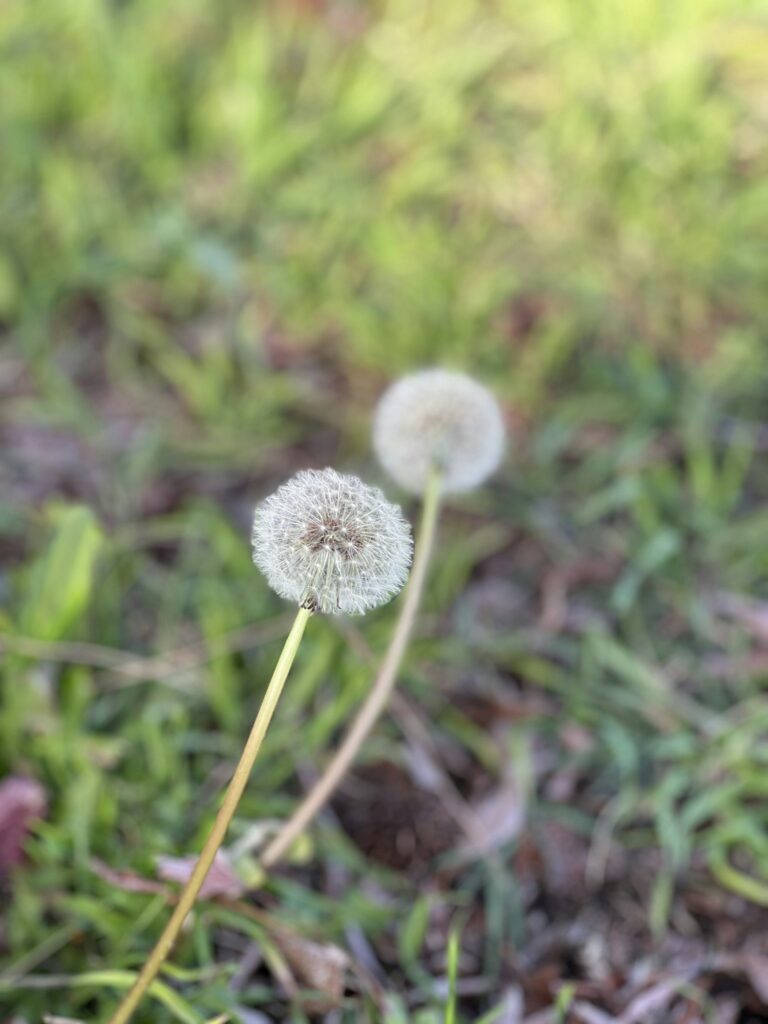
380,691
221,824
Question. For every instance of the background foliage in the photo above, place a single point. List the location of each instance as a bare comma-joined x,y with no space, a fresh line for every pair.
225,227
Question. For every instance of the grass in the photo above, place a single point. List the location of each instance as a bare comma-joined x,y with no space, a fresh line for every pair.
223,231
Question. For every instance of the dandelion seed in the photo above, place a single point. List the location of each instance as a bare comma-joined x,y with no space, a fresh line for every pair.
436,419
331,543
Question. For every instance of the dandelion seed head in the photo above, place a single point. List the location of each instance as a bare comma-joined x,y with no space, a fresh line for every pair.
443,420
331,543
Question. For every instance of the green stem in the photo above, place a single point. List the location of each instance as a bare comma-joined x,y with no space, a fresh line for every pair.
216,836
380,691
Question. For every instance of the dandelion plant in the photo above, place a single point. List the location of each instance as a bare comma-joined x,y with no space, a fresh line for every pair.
332,545
435,432
437,422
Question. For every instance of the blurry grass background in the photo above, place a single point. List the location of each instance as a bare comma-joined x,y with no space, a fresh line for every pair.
225,227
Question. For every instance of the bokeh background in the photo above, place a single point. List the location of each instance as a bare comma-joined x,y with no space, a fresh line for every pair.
226,227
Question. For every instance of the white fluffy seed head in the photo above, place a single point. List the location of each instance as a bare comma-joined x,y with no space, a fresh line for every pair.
331,543
443,420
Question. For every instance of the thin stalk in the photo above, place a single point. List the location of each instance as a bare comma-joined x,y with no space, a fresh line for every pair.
380,691
216,836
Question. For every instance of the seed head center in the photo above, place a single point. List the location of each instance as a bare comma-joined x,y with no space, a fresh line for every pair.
331,534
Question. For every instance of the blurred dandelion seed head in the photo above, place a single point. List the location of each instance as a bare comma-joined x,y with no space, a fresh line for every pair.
436,419
331,543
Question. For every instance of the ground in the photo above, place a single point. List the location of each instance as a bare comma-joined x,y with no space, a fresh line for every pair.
225,229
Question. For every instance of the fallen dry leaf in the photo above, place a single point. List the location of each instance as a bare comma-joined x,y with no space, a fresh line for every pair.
220,881
654,999
22,801
756,969
497,819
321,967
510,1009
127,880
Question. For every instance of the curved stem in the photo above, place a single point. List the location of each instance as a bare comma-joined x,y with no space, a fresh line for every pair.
380,691
216,836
